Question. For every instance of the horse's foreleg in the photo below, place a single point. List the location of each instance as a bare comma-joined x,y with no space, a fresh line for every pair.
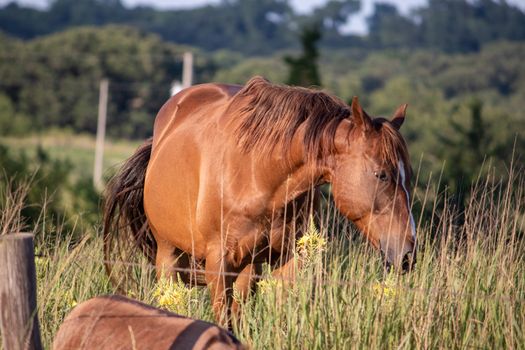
245,285
286,270
165,260
219,278
225,260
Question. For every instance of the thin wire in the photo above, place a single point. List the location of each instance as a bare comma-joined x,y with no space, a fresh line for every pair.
319,281
113,84
171,57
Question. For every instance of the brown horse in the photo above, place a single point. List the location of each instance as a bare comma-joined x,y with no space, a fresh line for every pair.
115,322
228,177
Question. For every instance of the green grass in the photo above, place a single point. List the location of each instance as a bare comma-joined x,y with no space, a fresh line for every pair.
467,291
79,149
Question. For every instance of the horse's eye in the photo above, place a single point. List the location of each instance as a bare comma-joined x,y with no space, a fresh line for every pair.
381,175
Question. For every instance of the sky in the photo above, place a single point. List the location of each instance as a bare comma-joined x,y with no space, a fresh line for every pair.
357,23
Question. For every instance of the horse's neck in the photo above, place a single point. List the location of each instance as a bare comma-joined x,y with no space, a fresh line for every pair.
303,176
300,180
298,176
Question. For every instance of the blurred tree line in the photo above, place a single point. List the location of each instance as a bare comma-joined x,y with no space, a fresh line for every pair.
447,25
248,26
458,64
54,80
265,26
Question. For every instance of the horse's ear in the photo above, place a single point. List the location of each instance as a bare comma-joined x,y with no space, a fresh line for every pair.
399,116
359,116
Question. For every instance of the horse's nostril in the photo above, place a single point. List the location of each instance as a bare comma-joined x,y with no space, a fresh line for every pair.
388,266
408,261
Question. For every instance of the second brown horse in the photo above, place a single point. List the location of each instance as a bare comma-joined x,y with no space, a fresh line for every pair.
227,180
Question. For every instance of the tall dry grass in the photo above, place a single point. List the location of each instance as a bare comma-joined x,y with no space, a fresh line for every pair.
467,290
12,201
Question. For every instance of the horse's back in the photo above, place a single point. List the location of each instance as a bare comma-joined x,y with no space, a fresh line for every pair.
115,322
190,106
185,137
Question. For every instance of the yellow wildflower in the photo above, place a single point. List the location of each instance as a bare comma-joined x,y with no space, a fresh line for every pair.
174,295
386,290
269,285
41,267
382,290
273,291
312,244
69,299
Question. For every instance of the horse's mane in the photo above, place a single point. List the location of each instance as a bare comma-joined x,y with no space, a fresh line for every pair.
273,114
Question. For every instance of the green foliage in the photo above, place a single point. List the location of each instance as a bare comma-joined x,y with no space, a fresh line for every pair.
331,19
250,26
447,25
11,122
303,69
388,28
272,68
54,80
462,26
54,199
257,27
470,148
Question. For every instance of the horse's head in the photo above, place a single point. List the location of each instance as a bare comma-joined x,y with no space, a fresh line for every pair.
370,179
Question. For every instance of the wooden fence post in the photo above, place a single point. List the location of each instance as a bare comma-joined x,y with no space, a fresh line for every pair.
187,69
101,135
18,313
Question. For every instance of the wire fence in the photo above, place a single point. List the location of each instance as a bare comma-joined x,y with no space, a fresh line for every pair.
317,280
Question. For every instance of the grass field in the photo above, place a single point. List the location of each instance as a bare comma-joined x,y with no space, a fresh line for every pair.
467,290
79,149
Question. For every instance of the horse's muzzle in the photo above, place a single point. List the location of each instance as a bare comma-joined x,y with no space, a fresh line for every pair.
409,261
403,261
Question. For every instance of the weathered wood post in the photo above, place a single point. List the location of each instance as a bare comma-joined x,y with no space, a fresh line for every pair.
187,69
18,313
101,134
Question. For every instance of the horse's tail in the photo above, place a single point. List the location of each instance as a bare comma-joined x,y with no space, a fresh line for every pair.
124,206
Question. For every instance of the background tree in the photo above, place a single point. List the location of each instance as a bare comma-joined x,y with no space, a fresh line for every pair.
250,26
53,184
303,69
55,80
332,17
388,28
466,150
463,26
256,27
